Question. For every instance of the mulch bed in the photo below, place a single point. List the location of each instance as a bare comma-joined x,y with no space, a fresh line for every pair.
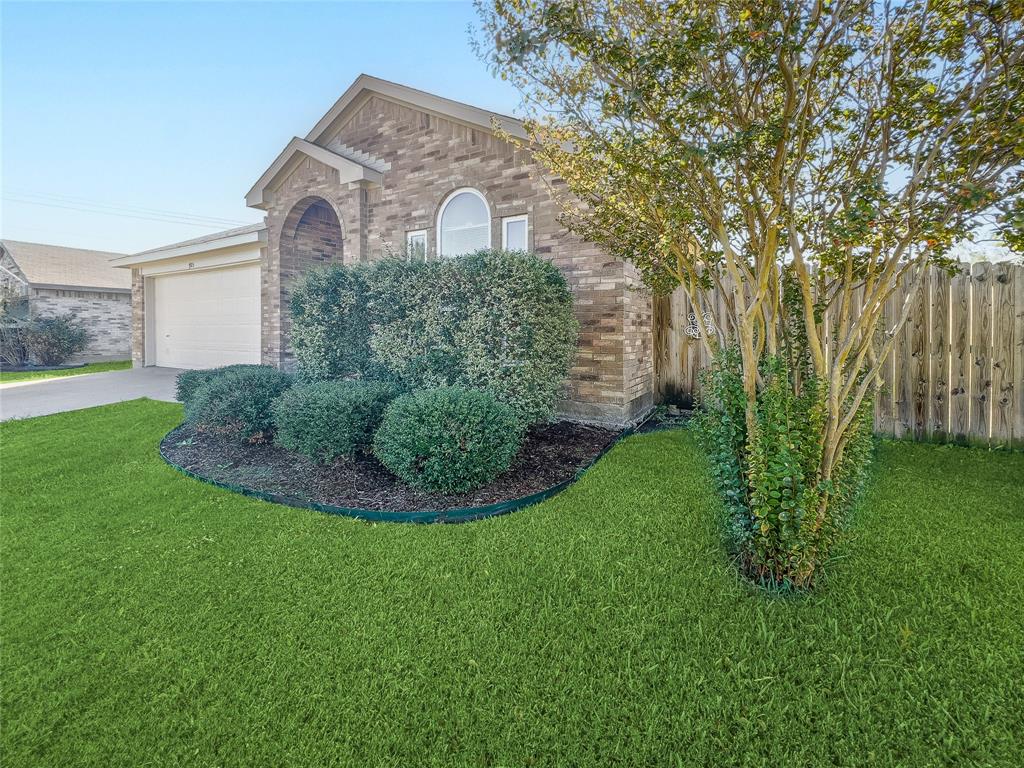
550,455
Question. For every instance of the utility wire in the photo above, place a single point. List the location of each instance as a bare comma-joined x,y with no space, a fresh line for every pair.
170,218
38,198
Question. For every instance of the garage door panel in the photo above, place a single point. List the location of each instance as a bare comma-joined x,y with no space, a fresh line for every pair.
206,319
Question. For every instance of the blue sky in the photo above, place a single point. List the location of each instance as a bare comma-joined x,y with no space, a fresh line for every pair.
179,107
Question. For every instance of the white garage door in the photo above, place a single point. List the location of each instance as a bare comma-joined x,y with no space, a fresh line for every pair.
209,318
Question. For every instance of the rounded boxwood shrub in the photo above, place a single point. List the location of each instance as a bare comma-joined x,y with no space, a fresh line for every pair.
189,381
238,400
327,419
447,439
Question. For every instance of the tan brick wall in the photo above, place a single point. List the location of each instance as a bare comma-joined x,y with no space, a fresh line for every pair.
428,157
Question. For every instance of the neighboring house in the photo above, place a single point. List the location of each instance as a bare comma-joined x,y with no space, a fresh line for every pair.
57,281
389,169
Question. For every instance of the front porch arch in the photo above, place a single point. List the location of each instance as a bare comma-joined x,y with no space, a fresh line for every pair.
311,236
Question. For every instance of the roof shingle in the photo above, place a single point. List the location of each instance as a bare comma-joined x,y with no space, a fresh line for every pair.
43,264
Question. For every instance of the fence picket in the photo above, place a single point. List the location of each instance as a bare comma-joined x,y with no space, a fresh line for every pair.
981,353
938,356
960,356
1002,355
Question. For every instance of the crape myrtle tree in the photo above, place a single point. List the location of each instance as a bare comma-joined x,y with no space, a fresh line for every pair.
804,159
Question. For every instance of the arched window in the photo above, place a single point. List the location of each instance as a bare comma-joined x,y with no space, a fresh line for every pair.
464,223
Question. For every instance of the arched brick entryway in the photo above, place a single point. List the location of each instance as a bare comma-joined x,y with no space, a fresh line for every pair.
311,237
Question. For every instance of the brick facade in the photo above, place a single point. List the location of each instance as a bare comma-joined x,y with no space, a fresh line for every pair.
424,158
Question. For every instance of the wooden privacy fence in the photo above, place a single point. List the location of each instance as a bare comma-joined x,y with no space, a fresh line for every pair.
955,374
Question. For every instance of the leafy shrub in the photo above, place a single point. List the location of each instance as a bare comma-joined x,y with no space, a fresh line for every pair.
330,326
447,439
496,320
782,516
52,340
14,350
416,309
328,419
189,381
238,400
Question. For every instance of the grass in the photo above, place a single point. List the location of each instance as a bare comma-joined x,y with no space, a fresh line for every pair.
151,620
8,377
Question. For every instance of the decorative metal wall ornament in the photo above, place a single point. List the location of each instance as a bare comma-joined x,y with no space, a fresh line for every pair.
693,329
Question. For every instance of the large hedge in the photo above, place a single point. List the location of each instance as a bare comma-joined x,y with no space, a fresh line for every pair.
495,320
330,326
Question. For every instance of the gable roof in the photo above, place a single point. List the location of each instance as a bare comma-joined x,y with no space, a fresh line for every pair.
349,170
353,97
350,167
55,265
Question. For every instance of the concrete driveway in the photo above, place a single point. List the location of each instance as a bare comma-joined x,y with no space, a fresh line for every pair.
19,400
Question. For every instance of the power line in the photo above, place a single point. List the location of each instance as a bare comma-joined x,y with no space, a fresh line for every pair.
25,196
193,221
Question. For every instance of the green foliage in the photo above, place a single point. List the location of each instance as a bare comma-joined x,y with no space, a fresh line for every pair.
783,513
493,320
327,419
189,381
238,400
52,340
416,309
843,130
518,335
447,439
330,325
14,350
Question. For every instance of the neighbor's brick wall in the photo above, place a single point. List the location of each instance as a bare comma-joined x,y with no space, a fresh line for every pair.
107,315
428,158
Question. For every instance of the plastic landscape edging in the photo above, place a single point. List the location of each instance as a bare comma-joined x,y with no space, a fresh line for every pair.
459,515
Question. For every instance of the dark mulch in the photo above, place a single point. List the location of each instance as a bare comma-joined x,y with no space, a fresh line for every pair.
550,454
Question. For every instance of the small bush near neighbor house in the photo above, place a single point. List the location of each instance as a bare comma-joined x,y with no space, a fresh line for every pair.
14,350
447,439
238,400
189,381
330,325
52,340
496,320
327,419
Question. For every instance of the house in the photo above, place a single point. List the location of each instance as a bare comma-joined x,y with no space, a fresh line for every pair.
54,280
389,169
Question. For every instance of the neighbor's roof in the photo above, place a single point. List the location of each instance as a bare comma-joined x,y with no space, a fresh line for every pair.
250,233
56,265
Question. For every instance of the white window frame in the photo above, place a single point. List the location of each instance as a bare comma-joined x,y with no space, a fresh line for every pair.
408,242
440,218
523,217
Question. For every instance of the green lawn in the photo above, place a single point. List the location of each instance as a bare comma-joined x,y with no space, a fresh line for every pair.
6,377
149,619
